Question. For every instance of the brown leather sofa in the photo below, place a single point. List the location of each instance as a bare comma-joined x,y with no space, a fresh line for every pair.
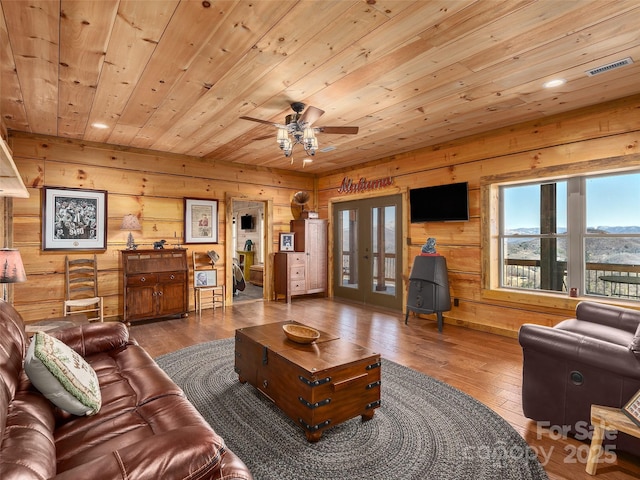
145,429
593,358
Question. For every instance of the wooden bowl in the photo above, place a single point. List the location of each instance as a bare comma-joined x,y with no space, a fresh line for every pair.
300,333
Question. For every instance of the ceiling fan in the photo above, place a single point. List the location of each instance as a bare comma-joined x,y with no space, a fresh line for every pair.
298,129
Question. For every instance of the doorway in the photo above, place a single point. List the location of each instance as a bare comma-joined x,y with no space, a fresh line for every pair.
368,251
249,246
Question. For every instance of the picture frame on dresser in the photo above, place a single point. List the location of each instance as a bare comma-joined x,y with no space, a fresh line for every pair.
200,220
286,242
74,219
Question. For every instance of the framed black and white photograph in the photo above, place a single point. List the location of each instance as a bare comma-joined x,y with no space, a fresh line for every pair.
74,219
200,220
632,408
286,242
205,278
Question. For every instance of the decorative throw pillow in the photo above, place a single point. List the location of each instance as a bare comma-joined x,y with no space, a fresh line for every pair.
62,375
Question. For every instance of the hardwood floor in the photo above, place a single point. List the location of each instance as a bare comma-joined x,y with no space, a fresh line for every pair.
486,366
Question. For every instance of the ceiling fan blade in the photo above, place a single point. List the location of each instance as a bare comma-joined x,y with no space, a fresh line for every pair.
310,115
340,130
251,119
257,120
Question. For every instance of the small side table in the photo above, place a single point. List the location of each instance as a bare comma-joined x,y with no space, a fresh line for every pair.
603,419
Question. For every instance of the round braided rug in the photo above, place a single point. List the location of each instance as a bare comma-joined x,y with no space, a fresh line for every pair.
424,429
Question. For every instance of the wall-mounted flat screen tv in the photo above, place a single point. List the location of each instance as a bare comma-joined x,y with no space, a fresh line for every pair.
246,222
441,203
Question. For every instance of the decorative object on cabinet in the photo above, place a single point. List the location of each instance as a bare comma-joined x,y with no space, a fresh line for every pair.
298,202
200,220
304,270
155,284
130,222
81,288
159,245
11,269
245,261
429,287
286,242
429,247
74,219
205,281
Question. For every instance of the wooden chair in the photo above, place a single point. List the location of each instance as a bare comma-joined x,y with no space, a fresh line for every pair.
205,281
81,279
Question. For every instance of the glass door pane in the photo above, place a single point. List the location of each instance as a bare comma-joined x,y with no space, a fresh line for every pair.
383,236
348,240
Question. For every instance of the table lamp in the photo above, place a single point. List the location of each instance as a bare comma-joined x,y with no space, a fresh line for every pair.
11,269
130,222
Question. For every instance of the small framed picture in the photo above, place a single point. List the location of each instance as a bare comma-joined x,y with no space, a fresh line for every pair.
200,220
205,278
632,408
74,219
286,242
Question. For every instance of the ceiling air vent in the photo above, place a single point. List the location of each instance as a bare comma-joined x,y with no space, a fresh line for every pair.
610,66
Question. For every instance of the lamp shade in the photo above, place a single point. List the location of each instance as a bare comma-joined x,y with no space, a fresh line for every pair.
130,222
11,268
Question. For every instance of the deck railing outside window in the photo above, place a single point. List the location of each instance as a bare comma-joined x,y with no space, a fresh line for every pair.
606,279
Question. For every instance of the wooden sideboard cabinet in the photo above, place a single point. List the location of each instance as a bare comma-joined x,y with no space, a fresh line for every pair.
303,271
155,284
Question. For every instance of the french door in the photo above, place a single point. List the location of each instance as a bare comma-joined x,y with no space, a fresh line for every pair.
367,251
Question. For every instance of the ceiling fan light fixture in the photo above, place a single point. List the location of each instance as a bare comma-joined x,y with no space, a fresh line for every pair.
310,142
283,135
298,129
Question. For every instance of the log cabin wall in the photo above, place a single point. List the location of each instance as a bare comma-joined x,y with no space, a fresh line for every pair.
605,137
148,184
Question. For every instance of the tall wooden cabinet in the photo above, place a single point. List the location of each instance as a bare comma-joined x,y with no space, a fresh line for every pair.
155,283
303,271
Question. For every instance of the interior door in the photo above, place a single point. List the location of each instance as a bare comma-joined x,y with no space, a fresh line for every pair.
367,251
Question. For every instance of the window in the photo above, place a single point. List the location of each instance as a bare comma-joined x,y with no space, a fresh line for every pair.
578,233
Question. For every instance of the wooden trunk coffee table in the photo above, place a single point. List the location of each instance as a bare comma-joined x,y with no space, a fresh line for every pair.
317,385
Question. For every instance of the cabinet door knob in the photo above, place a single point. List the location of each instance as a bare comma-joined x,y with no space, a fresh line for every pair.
172,277
143,279
159,294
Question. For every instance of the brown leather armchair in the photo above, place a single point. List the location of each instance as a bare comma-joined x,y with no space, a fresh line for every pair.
591,359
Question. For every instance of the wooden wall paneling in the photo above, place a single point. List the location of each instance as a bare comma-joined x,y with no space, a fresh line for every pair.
449,233
585,140
149,185
43,147
565,131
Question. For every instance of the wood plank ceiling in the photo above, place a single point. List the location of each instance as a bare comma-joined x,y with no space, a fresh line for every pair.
175,76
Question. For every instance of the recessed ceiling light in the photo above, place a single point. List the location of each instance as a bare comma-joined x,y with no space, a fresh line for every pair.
99,125
554,83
